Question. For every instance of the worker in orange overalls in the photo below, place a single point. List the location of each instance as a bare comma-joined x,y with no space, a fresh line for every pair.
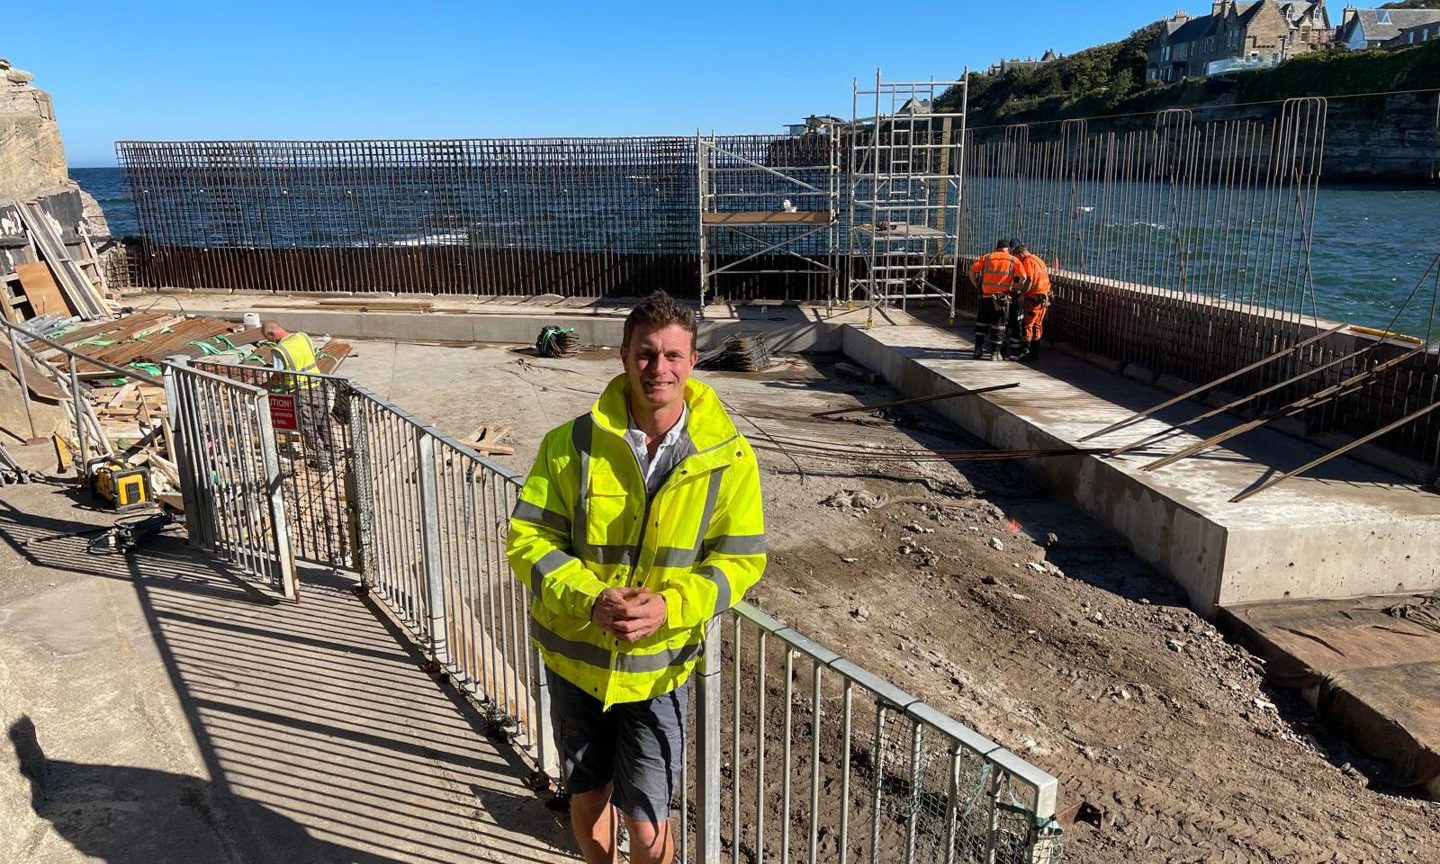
995,274
1034,299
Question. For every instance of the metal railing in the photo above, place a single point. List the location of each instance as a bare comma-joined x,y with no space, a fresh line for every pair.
229,472
803,755
432,517
313,454
847,768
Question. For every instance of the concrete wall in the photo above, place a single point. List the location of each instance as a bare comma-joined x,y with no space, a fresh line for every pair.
1220,555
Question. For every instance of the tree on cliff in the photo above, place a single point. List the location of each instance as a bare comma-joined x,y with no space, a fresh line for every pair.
1094,79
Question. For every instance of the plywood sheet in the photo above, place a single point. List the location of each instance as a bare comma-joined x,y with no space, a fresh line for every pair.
810,217
40,287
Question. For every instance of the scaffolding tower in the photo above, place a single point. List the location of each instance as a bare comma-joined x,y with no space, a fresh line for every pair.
906,176
769,214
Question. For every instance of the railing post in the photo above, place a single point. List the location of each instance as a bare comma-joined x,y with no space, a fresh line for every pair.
547,749
275,491
187,465
708,705
430,547
359,485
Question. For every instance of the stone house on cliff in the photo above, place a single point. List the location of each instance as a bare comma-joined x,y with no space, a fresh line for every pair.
1236,36
1387,28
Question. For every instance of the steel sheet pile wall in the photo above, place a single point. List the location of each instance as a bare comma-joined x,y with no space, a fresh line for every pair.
1184,250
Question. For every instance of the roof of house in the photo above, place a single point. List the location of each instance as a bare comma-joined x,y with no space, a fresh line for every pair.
1386,24
1198,28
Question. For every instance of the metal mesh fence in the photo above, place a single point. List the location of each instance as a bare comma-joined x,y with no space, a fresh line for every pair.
313,457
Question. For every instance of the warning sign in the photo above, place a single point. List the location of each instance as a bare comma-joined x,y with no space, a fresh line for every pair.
282,413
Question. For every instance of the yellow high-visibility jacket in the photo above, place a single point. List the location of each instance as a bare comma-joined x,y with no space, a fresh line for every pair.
297,354
584,523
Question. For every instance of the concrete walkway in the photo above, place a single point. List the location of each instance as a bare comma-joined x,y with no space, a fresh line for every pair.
160,709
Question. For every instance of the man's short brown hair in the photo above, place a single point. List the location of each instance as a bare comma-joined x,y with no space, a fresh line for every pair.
662,310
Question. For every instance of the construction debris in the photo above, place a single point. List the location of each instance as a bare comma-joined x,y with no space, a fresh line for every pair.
109,374
740,353
52,277
486,441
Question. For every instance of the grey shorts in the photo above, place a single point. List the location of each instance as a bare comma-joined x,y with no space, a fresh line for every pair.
636,745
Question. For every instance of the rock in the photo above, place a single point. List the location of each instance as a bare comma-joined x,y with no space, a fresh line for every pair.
32,156
1098,618
1054,570
4,64
848,560
1175,645
1052,539
1020,597
929,560
1036,566
860,613
989,580
796,589
996,544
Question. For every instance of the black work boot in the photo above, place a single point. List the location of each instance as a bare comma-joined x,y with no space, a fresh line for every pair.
982,335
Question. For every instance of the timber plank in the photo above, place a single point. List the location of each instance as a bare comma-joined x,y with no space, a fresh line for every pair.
39,286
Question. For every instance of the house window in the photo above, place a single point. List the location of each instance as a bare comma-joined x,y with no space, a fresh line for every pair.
1410,37
1382,16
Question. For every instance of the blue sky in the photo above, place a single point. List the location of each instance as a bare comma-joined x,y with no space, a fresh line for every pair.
423,69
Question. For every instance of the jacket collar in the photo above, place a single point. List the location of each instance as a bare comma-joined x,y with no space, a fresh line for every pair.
707,428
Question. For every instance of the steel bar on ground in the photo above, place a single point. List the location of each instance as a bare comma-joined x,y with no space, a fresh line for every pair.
1140,415
1338,451
916,400
1295,407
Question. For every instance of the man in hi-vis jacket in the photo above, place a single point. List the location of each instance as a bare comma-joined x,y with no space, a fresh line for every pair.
639,522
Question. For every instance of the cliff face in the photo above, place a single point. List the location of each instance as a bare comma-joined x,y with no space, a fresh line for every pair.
33,168
32,156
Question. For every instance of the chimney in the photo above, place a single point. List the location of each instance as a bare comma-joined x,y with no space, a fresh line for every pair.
1180,17
1348,15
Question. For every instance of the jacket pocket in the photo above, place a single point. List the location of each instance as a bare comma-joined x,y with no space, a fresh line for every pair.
610,513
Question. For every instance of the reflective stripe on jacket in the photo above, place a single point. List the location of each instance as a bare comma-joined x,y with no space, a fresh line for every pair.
297,354
584,523
997,271
1038,274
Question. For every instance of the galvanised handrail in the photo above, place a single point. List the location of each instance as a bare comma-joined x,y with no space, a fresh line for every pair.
888,777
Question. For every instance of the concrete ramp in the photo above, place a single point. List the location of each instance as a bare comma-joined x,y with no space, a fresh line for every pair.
161,709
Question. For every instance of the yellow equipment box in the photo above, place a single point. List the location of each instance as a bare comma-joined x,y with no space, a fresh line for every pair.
126,488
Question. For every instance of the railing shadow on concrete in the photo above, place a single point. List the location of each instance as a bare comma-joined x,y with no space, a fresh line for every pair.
322,739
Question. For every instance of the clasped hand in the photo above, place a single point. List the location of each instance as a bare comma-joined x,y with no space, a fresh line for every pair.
629,614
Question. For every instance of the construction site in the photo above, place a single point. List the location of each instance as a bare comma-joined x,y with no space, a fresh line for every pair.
1166,593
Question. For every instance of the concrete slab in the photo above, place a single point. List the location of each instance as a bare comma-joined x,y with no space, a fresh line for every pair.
1346,530
161,710
1370,666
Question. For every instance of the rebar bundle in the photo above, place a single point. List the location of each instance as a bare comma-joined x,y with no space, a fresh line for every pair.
557,342
740,353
